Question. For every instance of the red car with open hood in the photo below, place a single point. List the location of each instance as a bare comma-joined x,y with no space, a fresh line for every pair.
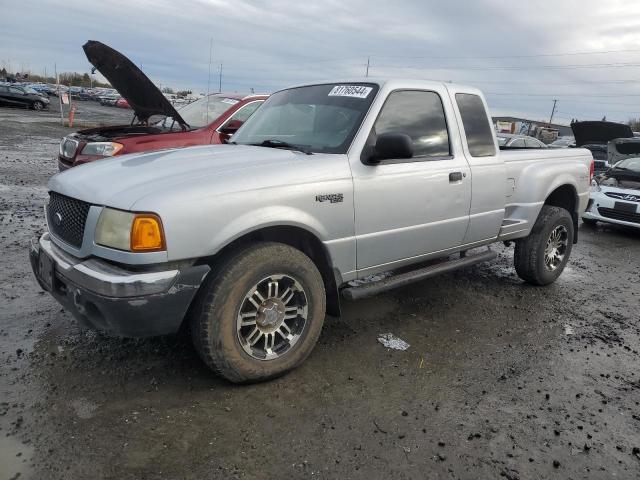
209,120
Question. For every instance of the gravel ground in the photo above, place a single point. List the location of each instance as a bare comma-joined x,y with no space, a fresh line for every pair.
501,379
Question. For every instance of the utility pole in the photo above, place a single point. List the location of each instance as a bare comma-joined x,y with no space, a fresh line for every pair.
220,80
368,61
553,110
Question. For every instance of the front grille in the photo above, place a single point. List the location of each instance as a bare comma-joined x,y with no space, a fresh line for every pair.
619,215
68,147
67,217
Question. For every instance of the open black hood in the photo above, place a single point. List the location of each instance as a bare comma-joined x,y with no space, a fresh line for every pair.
599,132
143,96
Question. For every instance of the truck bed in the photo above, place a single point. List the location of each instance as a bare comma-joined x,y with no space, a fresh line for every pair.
532,175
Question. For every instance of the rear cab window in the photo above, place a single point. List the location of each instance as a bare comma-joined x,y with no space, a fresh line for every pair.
476,125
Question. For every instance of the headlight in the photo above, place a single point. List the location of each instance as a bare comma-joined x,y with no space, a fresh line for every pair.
594,186
133,232
104,149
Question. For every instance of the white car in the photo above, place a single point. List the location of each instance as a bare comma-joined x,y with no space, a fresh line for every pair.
615,195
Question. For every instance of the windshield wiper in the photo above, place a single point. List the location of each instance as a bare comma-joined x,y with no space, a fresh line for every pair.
273,143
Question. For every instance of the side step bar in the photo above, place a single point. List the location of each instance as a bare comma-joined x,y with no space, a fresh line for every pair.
402,279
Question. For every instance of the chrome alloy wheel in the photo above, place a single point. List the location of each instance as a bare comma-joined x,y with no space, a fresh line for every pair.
272,317
556,248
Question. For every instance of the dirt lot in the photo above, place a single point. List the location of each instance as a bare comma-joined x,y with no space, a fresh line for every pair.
501,379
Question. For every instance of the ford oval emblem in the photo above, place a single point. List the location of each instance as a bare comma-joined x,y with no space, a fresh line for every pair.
57,219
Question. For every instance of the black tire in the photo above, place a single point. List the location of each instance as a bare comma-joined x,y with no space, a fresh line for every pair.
223,296
590,221
529,255
37,105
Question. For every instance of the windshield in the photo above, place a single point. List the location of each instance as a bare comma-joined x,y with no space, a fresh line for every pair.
632,164
198,115
30,90
319,118
502,141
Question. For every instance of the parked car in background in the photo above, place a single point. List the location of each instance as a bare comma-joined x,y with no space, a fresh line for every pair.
595,136
563,142
210,120
122,103
43,89
615,195
109,100
512,140
26,97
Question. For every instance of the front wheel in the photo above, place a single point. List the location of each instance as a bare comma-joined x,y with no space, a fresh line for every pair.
38,105
261,314
541,257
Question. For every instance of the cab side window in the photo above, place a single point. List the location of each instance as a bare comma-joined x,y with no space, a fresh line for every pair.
476,125
420,115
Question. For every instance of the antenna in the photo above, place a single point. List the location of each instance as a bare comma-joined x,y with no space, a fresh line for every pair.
368,60
220,80
209,77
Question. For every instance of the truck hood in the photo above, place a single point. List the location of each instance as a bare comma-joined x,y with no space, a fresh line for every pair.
599,132
120,182
143,96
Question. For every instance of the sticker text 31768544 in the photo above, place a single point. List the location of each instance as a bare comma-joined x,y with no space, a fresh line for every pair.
357,91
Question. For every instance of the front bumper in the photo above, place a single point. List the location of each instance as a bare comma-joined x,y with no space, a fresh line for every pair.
603,209
115,300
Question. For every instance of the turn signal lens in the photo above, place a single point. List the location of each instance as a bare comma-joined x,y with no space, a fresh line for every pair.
147,234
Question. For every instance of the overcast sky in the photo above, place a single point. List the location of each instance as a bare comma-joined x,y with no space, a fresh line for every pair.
522,54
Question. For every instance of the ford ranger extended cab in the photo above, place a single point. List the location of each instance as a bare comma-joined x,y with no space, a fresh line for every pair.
250,244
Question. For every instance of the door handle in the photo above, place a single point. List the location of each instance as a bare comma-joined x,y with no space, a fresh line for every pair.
455,176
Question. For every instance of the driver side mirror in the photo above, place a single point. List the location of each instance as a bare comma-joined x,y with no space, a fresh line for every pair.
388,146
231,127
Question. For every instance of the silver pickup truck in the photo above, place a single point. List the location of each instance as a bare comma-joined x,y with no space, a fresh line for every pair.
250,244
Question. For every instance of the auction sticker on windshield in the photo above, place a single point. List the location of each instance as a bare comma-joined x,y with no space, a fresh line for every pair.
357,91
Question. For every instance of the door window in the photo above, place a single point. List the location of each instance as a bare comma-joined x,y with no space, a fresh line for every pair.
17,90
476,125
518,143
242,115
420,115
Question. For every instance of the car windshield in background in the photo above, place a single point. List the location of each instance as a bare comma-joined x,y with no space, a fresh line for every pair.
198,114
502,141
632,164
317,118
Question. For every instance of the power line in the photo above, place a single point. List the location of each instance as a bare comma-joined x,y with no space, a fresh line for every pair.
537,55
607,95
513,67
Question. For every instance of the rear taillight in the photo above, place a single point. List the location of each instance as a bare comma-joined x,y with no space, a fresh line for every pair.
592,169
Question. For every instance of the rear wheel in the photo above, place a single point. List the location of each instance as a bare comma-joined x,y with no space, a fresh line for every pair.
38,105
541,257
261,315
